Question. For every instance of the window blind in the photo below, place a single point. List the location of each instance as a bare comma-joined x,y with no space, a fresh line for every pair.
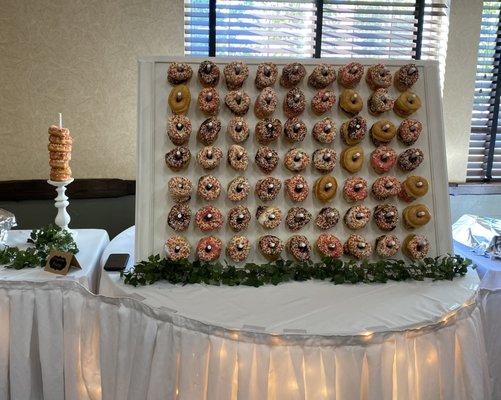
484,159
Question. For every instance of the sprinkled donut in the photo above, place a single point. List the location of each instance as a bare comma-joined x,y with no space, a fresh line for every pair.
386,216
410,159
296,160
406,77
209,248
179,217
383,159
325,188
382,132
324,160
209,187
350,102
297,218
416,216
239,218
238,248
297,188
409,130
299,247
378,76
209,131
179,73
179,99
358,247
266,159
412,188
208,74
350,74
327,218
406,104
267,189
295,130
208,101
209,157
354,130
266,75
385,187
324,131
177,248
352,159
238,129
380,102
266,103
355,189
178,158
180,189
357,217
292,75
329,246
238,159
268,217
268,130
209,218
387,246
270,246
294,103
416,247
322,76
179,129
238,189
238,102
323,101
235,74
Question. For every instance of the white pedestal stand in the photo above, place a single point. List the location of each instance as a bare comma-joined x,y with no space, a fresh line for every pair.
61,202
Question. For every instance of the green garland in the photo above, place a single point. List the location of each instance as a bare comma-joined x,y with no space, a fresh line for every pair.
335,270
44,240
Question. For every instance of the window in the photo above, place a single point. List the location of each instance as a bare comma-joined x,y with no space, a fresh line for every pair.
484,159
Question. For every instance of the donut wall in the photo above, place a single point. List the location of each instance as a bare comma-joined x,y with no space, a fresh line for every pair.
345,171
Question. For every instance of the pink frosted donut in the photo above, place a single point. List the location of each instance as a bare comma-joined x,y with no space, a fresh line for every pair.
350,75
209,248
383,159
323,101
209,218
297,188
355,189
385,187
329,246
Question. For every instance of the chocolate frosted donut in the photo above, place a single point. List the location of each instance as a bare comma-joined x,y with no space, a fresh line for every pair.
268,217
358,247
323,101
297,218
295,130
382,132
238,102
294,103
322,76
357,217
268,130
235,74
416,247
292,75
329,246
327,218
297,188
378,76
266,159
352,159
354,130
350,74
238,129
351,102
385,187
324,131
179,73
296,160
412,188
238,158
267,189
266,75
406,77
409,130
208,74
324,160
209,131
208,101
380,102
270,246
266,103
179,217
238,189
238,248
410,159
386,217
383,159
177,248
209,187
239,218
209,157
325,188
180,189
416,216
299,247
209,248
209,218
179,129
406,104
355,189
178,158
387,245
179,99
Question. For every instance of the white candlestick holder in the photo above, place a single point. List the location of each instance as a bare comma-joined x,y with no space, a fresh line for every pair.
61,202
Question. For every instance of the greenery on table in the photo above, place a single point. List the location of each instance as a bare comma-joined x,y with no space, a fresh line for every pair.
43,241
334,270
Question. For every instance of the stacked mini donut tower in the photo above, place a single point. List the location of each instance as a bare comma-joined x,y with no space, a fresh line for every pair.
60,145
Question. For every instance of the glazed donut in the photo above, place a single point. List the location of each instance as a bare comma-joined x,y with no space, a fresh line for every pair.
179,129
59,148
60,156
266,159
179,217
209,249
379,102
383,159
378,76
296,160
179,99
62,140
177,248
238,159
266,75
266,103
297,218
268,217
355,189
416,216
209,157
407,103
385,187
178,158
327,218
295,130
238,129
416,247
270,246
386,217
350,74
208,74
209,187
357,217
238,102
208,101
294,103
324,160
357,247
238,189
329,246
267,189
60,165
235,74
387,245
55,130
324,131
354,130
239,218
60,174
209,218
410,159
325,188
322,76
323,101
406,77
299,247
268,130
382,132
297,188
238,248
179,73
412,188
209,131
409,130
180,189
292,75
352,159
350,102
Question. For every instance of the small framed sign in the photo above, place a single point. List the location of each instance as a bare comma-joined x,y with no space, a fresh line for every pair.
59,262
